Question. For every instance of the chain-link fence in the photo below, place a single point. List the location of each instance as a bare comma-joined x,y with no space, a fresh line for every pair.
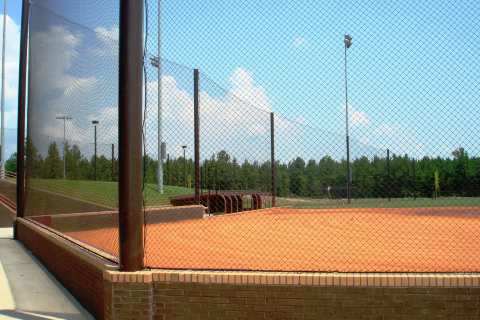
314,137
366,112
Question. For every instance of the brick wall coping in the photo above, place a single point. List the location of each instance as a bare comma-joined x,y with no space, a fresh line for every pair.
111,273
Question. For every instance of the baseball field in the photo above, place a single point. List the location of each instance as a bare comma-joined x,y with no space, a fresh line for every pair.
286,239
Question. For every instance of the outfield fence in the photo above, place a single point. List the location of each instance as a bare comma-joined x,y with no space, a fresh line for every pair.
332,116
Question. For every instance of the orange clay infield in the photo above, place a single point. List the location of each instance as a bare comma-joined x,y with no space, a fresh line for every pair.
285,239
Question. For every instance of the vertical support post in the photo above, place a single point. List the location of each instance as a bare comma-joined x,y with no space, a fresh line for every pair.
2,146
388,174
130,135
414,182
234,174
201,182
196,115
346,121
22,85
159,103
168,168
216,180
64,145
208,187
348,169
184,169
95,153
113,162
272,154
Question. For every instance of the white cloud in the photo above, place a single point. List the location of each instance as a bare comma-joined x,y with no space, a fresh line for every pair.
238,121
12,52
11,82
245,90
108,41
356,118
364,141
385,129
257,129
59,88
300,42
399,138
111,34
446,149
301,120
11,118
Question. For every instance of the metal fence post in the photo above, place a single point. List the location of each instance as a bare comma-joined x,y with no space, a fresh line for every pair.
414,182
388,174
168,169
272,153
95,153
216,180
130,135
113,162
196,120
22,86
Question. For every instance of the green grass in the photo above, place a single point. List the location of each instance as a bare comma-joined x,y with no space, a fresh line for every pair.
377,203
110,190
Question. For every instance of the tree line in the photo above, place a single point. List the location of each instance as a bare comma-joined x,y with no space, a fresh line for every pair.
458,175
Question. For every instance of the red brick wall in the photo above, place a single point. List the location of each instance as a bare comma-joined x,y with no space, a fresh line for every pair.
80,277
219,301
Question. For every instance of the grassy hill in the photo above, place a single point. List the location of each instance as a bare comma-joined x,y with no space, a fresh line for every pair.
110,189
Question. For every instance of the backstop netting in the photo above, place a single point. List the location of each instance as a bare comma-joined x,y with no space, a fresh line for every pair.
72,126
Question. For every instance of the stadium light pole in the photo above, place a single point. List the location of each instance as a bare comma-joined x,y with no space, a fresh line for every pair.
348,44
64,118
2,150
157,63
95,123
184,167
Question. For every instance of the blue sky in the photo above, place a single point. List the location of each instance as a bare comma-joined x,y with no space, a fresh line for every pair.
412,70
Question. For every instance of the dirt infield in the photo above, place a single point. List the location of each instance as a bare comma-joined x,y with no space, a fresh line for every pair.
344,240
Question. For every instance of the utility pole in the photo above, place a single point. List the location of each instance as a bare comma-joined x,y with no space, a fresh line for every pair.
157,62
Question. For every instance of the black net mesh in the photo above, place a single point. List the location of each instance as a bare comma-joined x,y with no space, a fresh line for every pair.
72,119
374,143
331,136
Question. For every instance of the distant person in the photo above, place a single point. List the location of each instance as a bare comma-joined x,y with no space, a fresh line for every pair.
327,191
